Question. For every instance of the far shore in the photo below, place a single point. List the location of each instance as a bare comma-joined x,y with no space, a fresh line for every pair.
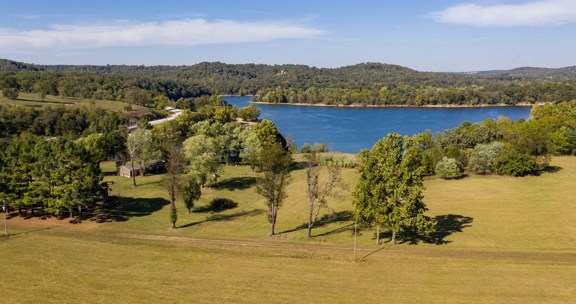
401,106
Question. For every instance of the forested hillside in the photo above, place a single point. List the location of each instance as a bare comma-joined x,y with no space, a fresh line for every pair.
361,84
223,78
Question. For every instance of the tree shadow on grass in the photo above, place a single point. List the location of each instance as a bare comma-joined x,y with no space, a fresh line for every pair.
226,217
120,209
551,169
236,183
447,224
217,204
335,217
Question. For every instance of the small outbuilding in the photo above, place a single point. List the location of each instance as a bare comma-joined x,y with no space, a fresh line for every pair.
152,167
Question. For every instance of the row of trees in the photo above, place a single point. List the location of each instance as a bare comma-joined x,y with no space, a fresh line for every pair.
58,121
509,94
503,146
240,79
58,176
133,90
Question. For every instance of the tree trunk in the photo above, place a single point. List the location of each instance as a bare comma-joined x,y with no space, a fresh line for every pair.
378,235
143,168
393,240
133,173
272,221
310,221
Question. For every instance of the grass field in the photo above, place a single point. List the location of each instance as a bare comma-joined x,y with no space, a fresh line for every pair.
34,100
503,240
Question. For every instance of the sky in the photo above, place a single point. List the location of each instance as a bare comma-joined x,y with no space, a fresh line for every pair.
425,35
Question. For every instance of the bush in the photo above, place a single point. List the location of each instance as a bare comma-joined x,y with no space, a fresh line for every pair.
483,159
515,164
306,148
338,161
220,204
448,168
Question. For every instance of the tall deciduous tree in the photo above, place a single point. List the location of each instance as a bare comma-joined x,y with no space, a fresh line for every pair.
174,165
201,152
389,192
135,144
10,88
275,176
191,191
319,191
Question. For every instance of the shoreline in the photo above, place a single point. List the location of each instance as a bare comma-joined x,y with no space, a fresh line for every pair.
399,106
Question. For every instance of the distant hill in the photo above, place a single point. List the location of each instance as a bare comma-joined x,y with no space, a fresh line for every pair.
221,78
525,73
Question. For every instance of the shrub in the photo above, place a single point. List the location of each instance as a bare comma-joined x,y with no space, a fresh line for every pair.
484,156
448,168
220,204
306,148
333,160
515,164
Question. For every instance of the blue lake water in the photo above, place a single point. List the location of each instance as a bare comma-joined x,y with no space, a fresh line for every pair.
352,129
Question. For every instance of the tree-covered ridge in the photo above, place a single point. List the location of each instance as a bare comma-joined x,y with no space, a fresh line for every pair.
221,78
91,85
58,121
497,94
527,73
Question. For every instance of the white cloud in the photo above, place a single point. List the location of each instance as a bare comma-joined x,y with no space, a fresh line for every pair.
171,33
535,13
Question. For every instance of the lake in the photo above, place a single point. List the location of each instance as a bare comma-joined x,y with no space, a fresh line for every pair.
352,129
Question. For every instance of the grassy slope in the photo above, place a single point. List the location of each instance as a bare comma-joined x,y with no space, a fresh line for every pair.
33,100
517,245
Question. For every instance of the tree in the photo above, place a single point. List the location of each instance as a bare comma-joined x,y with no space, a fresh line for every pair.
150,150
275,176
390,188
44,87
263,134
201,152
318,192
135,142
515,163
448,168
191,191
10,88
249,113
483,159
137,96
174,165
267,133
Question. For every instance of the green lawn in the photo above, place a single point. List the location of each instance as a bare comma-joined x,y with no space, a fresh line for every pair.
503,240
34,100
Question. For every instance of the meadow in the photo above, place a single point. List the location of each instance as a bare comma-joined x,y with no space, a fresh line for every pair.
501,240
34,101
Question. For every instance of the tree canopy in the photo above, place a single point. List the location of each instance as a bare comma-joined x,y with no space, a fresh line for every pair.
389,191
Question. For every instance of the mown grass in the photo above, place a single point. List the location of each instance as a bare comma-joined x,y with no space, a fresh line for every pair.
504,240
34,100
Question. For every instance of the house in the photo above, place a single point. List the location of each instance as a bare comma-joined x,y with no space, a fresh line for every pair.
152,167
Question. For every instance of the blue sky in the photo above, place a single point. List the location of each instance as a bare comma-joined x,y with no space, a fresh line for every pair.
439,35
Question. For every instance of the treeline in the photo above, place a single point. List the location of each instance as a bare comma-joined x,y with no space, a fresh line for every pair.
503,146
504,93
57,176
58,121
90,85
241,79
